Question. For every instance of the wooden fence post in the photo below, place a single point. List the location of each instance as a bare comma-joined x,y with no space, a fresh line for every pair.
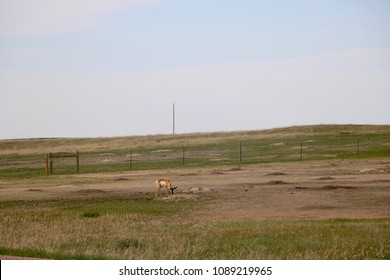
131,159
358,147
47,164
184,150
240,153
301,149
78,161
51,163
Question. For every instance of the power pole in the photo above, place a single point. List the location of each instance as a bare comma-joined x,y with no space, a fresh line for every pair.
173,118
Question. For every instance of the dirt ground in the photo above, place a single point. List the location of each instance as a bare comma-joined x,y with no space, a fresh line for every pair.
287,191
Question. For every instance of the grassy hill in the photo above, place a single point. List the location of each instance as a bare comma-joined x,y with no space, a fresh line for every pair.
26,157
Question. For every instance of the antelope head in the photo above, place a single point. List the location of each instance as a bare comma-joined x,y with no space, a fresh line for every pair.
171,188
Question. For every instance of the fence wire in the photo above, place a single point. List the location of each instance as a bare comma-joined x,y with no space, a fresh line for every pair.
225,153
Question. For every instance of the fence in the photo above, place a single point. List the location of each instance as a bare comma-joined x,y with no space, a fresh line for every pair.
49,159
235,153
205,152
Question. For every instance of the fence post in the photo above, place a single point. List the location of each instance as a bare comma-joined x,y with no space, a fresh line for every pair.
184,150
51,163
131,159
240,153
301,149
358,147
78,161
47,164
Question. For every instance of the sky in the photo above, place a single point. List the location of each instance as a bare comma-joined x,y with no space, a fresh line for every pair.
97,68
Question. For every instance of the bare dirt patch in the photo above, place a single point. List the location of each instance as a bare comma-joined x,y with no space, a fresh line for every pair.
245,193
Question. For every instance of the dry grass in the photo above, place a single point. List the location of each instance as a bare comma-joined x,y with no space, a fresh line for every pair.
62,231
46,145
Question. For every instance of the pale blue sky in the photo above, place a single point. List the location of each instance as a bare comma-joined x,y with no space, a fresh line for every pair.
91,68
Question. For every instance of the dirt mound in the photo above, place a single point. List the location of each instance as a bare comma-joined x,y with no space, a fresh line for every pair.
336,187
326,178
234,169
276,174
326,187
120,179
197,190
277,182
34,190
376,170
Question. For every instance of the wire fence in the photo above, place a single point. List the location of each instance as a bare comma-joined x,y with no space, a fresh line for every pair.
219,153
234,153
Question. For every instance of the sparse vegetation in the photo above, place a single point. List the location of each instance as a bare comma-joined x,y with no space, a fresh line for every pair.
91,214
149,229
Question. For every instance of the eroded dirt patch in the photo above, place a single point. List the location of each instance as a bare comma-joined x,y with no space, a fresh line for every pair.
313,190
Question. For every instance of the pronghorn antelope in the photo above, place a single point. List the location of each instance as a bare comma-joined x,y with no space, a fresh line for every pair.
164,183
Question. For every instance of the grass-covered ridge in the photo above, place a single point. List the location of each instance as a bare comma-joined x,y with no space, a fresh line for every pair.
25,158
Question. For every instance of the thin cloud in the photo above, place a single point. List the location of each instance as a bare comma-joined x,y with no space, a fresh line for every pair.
19,18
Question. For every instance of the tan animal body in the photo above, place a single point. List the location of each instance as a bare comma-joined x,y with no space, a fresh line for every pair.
166,184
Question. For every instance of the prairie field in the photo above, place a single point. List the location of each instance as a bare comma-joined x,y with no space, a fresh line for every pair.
313,192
